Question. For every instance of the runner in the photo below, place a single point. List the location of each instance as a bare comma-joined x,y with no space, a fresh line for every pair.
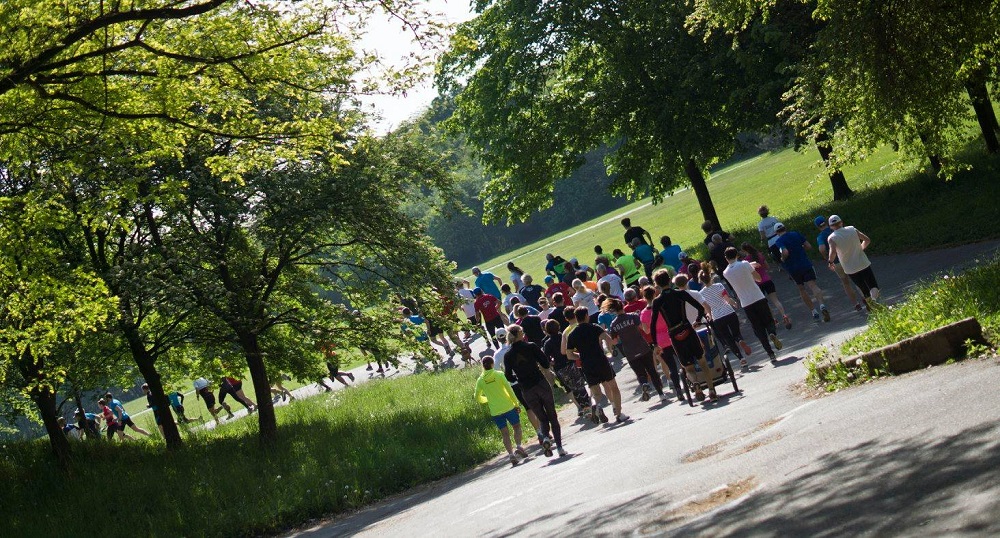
531,323
717,253
583,272
151,407
516,276
369,343
112,423
202,389
849,244
89,424
635,232
628,267
230,386
586,299
793,249
487,282
122,416
493,390
531,292
177,404
278,389
766,284
686,343
644,254
743,278
525,362
498,363
567,372
332,365
468,308
725,321
71,431
507,296
633,304
558,311
670,253
557,287
543,308
584,344
488,310
665,354
710,229
824,250
627,329
768,233
554,267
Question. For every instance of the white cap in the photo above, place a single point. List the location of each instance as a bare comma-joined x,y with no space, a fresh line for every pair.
834,219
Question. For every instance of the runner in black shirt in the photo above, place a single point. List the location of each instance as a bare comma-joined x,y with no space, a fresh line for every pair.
635,232
531,324
522,363
567,372
584,344
671,305
627,329
558,311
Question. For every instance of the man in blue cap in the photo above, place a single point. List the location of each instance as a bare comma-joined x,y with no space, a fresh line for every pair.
822,240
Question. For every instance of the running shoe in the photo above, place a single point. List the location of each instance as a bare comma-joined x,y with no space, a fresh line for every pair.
713,396
826,313
874,294
350,375
858,308
369,368
513,460
746,348
595,417
816,316
380,371
547,447
776,342
744,365
664,398
602,416
622,417
276,399
561,451
700,396
521,451
788,323
774,360
645,393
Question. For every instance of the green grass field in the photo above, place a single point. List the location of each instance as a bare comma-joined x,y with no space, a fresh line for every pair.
897,204
336,452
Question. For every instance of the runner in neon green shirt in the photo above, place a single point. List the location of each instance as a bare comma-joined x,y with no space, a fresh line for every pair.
493,389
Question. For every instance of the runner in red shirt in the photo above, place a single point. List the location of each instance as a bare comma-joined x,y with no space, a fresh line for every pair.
633,304
557,287
488,311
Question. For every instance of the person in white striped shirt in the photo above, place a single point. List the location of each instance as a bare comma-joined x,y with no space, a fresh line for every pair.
725,322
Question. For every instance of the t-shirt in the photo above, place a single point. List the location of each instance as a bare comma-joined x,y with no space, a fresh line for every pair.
414,322
852,257
822,240
493,389
559,314
109,416
798,260
468,302
627,328
715,296
488,306
761,270
515,279
498,357
726,236
507,299
119,409
200,383
630,270
614,281
552,346
149,402
766,227
586,298
532,326
522,363
487,283
717,252
531,293
635,306
586,340
635,232
662,334
739,274
604,319
644,253
175,398
691,311
559,287
670,305
670,258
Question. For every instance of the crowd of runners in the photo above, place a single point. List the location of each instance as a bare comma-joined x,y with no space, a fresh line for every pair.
645,305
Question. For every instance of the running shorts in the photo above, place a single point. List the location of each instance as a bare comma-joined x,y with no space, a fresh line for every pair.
597,373
208,396
127,421
767,288
510,417
801,277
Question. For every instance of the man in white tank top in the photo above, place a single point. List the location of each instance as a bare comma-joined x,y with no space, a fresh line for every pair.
849,244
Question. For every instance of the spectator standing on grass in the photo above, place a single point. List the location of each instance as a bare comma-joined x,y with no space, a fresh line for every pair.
793,249
488,282
670,253
743,278
766,284
516,276
202,389
584,344
493,390
824,250
849,244
525,362
124,420
670,306
635,232
531,292
626,329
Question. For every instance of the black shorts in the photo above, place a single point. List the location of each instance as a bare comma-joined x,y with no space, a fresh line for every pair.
179,409
801,277
767,287
127,421
114,427
865,279
206,393
597,372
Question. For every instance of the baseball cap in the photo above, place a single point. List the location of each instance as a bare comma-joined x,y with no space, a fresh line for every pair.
779,226
682,255
835,219
819,221
501,331
477,291
549,279
574,261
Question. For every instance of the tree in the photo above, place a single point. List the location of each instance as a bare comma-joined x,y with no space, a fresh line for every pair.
538,85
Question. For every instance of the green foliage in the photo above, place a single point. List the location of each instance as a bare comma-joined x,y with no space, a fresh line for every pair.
342,451
934,304
838,375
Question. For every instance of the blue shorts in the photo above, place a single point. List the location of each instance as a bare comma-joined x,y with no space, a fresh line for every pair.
509,417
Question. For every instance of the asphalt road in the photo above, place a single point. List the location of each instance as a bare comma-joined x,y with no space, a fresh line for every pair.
917,454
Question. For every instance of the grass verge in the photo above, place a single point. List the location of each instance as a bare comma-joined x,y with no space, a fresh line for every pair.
336,452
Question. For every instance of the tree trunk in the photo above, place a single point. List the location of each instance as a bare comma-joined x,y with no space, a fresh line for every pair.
841,190
935,160
46,401
984,113
701,191
147,367
262,388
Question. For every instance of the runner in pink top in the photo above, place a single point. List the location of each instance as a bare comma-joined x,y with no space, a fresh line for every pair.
666,356
766,284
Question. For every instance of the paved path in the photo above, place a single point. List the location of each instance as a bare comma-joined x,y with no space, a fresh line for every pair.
916,454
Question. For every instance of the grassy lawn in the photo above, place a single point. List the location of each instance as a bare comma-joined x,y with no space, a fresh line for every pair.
899,206
337,452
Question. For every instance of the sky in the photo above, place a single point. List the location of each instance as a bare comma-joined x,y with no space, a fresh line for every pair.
393,43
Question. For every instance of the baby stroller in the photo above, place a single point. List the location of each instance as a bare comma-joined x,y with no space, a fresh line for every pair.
722,371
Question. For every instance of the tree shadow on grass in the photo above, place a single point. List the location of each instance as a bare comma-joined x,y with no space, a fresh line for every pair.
878,487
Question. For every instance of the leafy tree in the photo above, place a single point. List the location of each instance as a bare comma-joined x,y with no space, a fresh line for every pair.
540,84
